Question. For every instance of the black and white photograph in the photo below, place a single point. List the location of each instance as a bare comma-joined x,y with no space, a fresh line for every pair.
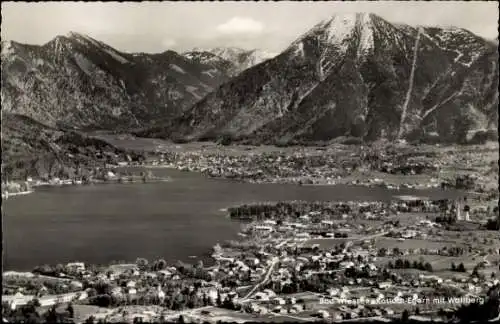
250,162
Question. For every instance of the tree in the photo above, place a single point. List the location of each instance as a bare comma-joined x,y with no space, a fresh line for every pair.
218,301
101,300
160,264
142,264
225,139
358,127
453,266
70,310
51,316
428,267
405,316
462,124
35,302
461,268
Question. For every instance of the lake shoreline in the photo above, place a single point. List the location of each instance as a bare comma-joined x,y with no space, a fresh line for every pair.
63,183
19,193
171,214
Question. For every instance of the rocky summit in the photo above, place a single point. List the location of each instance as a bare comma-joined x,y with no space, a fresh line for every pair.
77,81
355,75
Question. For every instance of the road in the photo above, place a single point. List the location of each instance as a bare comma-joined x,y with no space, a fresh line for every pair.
190,312
364,238
266,278
282,243
295,318
361,319
276,259
485,260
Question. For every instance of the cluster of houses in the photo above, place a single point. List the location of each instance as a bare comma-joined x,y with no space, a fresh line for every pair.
294,167
283,253
20,298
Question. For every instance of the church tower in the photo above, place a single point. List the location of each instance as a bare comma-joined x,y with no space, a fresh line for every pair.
458,210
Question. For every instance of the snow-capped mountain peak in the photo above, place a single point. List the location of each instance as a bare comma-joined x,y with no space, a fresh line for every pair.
356,75
242,59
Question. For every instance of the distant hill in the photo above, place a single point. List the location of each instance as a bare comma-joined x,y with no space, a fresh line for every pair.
354,75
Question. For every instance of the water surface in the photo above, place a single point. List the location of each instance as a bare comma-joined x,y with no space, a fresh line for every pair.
172,220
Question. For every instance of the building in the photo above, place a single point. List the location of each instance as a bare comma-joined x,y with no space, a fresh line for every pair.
16,300
76,266
458,210
160,293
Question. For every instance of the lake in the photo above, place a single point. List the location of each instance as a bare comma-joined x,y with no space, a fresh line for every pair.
171,220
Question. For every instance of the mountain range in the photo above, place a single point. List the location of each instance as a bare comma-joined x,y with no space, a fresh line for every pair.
77,81
350,75
355,75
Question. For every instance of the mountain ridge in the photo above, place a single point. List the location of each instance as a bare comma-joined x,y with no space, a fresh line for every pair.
400,80
65,79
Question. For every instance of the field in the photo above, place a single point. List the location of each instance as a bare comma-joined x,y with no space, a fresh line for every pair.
390,243
226,315
83,312
150,144
326,243
442,264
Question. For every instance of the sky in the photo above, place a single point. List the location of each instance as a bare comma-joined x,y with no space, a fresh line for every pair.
154,27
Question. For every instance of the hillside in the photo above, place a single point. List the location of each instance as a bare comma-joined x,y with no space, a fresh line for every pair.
355,75
32,149
76,81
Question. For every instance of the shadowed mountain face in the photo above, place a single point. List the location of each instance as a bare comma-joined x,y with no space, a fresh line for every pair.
77,81
355,75
30,148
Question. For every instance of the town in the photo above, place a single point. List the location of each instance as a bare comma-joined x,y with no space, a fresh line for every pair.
414,257
295,261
